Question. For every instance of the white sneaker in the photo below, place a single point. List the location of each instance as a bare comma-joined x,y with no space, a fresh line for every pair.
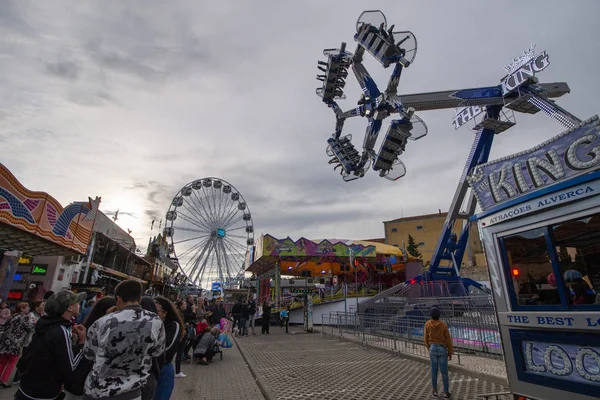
180,375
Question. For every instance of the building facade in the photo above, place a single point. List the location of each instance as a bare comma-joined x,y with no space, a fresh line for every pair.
425,230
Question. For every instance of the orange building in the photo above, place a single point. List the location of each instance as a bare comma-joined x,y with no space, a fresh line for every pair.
426,229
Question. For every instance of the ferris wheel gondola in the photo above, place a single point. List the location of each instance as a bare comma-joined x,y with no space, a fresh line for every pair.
210,228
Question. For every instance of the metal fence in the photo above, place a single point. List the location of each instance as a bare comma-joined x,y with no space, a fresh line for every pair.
399,326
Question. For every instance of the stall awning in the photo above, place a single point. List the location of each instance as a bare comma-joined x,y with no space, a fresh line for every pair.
114,272
12,238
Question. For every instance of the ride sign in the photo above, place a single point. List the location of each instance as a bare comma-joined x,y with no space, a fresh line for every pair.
523,68
572,153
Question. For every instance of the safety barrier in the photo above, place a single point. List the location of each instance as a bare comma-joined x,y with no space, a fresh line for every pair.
399,327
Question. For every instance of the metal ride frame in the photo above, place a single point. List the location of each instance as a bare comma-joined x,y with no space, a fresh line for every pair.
519,91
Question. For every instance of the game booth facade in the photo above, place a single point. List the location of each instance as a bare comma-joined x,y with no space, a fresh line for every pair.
326,270
540,224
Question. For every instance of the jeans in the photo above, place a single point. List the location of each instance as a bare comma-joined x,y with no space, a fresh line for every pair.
243,327
251,322
438,355
166,383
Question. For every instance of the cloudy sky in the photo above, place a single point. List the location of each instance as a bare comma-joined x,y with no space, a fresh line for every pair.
130,100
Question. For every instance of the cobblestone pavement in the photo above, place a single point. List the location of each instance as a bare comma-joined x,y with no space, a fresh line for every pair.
482,365
315,366
227,379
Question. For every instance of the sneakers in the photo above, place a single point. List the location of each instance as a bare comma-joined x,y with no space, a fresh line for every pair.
180,375
434,393
447,395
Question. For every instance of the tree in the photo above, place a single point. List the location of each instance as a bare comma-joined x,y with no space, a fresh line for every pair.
413,248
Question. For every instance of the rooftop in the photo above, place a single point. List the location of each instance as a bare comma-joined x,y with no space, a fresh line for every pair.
418,217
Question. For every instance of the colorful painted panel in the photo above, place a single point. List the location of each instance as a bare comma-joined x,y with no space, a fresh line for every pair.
40,214
303,247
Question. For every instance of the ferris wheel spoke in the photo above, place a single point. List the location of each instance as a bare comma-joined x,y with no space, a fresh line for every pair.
224,204
235,259
213,196
232,208
206,215
236,229
193,263
236,244
207,199
198,258
191,249
237,236
219,263
232,216
191,220
182,228
202,210
230,259
187,240
203,268
200,215
226,260
233,222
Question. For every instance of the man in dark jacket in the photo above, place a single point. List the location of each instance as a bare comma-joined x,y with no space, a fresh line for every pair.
189,315
218,312
236,313
252,312
52,359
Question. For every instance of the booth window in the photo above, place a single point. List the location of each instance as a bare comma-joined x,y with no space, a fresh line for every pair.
419,227
529,264
577,245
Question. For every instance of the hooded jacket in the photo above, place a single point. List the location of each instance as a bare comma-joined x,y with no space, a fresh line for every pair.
436,332
51,361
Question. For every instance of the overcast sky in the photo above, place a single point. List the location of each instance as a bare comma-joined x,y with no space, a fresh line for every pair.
131,100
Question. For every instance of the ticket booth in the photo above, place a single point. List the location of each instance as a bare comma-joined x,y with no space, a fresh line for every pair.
541,230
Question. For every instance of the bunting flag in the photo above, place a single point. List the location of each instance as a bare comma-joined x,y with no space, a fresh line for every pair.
152,227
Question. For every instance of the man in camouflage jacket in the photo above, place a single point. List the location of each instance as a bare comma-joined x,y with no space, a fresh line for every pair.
122,345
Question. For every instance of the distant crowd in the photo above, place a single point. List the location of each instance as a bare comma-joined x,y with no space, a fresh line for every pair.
123,347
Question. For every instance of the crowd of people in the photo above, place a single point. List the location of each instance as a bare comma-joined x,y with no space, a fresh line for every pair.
124,347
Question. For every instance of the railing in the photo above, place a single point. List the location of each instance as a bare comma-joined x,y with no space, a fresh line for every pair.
471,321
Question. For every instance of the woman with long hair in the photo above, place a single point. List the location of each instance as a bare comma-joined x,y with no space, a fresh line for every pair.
149,390
175,332
15,332
101,308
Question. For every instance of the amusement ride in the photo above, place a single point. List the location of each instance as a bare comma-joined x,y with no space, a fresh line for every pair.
210,228
489,108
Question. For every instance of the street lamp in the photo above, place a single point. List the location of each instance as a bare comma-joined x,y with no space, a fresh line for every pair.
355,264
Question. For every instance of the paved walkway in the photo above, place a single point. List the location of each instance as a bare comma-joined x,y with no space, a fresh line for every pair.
299,366
313,366
484,367
227,379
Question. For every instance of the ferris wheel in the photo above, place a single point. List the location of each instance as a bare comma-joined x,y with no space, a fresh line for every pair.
210,229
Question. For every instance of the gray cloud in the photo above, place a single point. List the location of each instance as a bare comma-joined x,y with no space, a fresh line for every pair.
64,69
133,101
